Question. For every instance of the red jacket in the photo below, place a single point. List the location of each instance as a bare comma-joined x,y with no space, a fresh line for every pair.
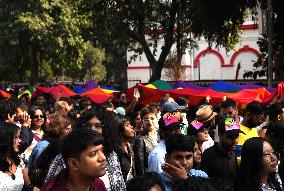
58,183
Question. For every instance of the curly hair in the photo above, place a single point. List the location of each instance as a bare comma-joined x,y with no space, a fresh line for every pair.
8,107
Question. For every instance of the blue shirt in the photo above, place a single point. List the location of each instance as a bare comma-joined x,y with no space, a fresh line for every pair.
39,148
169,185
157,158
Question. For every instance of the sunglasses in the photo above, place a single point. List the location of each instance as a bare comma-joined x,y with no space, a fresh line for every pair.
38,116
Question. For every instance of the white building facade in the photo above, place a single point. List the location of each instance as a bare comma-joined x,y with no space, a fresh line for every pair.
204,63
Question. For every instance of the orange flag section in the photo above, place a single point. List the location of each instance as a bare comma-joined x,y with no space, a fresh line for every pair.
97,95
5,94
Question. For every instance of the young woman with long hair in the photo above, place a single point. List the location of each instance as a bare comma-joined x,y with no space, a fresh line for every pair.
258,167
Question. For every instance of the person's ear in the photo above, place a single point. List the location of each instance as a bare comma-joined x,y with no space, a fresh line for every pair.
73,164
278,117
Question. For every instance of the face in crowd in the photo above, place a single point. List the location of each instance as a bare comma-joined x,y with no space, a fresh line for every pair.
16,141
229,142
128,130
203,135
196,155
181,158
229,112
150,122
269,159
38,118
92,162
96,125
122,98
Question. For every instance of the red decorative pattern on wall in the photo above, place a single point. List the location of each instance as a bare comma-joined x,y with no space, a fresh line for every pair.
246,48
208,51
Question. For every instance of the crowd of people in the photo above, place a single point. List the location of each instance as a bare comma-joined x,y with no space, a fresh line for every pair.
72,144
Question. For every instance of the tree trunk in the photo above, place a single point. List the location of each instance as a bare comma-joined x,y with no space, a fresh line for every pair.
35,66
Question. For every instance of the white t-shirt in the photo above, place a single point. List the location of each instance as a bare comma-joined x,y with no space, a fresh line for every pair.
8,184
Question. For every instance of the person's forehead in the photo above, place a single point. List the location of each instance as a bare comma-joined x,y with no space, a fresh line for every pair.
229,108
94,120
266,146
93,148
149,115
38,111
181,153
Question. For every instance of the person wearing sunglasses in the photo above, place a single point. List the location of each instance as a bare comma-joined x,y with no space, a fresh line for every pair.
38,121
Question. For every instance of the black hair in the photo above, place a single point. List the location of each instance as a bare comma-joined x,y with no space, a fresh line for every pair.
78,141
145,182
108,131
275,110
84,103
251,164
179,142
8,107
181,101
88,115
255,107
133,117
204,184
7,134
32,113
193,131
229,103
221,126
166,130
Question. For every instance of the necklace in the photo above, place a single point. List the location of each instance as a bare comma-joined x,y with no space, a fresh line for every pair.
13,176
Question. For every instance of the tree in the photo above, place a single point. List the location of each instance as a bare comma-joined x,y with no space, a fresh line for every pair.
260,66
53,32
145,22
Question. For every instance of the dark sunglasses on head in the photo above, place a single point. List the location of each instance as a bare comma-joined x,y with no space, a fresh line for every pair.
38,116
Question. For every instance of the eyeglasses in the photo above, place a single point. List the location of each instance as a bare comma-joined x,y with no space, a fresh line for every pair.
38,116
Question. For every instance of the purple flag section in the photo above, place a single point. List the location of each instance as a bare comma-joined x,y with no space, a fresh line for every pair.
89,85
183,84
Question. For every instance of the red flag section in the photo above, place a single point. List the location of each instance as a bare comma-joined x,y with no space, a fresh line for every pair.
55,92
149,95
65,92
5,94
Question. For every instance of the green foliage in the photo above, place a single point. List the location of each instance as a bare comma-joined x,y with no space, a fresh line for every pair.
260,66
44,36
170,21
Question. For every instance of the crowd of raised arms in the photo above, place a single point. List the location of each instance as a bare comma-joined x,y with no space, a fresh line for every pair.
72,144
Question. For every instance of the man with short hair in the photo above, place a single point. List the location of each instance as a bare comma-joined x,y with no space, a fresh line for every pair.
219,161
82,151
179,160
254,117
229,110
